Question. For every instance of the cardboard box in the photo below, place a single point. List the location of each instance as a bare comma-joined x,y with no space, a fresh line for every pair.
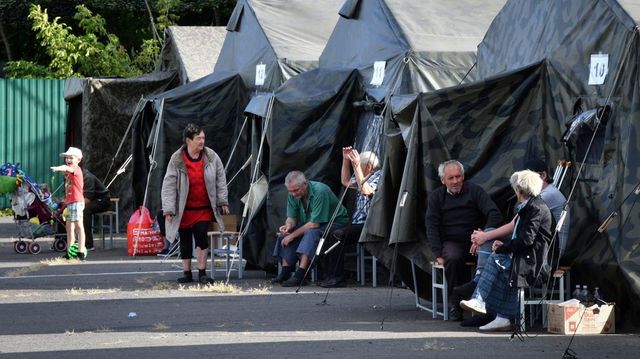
572,317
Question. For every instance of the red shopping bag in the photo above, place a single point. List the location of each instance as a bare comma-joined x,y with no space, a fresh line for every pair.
142,239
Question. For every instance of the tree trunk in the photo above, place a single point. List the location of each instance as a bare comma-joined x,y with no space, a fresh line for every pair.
216,17
5,41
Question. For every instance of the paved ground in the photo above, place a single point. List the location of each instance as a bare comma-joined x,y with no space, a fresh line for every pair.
115,306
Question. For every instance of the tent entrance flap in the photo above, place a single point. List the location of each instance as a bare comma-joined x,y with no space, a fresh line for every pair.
259,104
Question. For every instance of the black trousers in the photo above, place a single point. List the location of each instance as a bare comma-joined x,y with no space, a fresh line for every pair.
455,255
333,262
95,206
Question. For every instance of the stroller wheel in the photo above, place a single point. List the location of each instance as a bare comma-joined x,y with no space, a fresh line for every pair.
20,247
34,248
60,245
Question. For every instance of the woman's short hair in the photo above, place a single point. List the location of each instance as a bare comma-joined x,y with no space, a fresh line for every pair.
445,164
526,182
190,131
295,177
368,157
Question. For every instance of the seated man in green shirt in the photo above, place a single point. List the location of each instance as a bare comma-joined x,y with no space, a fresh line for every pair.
310,205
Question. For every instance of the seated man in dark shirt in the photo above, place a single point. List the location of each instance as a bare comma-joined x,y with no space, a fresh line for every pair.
454,211
96,200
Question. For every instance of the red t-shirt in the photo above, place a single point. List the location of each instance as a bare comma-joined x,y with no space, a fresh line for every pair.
198,207
73,185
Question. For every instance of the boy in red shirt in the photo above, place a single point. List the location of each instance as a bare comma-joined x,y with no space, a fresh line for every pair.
73,185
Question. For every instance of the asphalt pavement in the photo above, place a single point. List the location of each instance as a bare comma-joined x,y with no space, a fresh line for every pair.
114,306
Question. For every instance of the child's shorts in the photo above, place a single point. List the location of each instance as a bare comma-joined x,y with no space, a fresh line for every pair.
74,211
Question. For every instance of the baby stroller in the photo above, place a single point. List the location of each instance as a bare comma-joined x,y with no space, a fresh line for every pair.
36,215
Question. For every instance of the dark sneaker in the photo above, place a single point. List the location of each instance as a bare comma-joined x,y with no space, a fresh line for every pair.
185,279
91,249
82,256
279,279
205,279
455,313
164,252
292,282
335,282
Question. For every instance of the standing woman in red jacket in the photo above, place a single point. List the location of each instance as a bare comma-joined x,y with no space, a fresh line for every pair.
194,193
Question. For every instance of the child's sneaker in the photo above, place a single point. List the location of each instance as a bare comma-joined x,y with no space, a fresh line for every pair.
82,256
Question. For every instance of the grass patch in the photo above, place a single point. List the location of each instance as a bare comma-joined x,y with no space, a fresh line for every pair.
103,330
26,295
95,291
59,261
260,290
143,280
25,270
160,326
162,286
217,287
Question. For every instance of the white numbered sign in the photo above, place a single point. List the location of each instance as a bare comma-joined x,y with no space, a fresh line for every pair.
598,69
261,74
378,73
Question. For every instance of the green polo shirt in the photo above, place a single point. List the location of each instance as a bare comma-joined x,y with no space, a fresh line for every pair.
321,203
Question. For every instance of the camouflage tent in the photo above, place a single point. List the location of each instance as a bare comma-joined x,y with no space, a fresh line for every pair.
100,111
266,43
378,48
192,51
545,65
409,47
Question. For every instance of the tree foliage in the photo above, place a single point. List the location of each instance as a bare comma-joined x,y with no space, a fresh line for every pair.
94,53
123,46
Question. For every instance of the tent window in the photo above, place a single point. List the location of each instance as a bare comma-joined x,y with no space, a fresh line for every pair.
581,129
234,19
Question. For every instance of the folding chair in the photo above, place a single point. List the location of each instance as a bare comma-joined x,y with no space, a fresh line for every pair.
222,243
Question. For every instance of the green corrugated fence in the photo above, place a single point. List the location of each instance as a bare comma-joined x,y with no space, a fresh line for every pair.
33,122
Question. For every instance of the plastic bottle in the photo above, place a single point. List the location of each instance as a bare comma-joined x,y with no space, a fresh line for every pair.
596,295
584,294
576,292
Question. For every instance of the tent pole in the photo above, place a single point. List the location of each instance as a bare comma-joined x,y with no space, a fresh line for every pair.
254,175
233,149
124,137
152,165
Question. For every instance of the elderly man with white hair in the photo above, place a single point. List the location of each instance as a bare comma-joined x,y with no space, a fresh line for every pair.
454,211
310,206
519,262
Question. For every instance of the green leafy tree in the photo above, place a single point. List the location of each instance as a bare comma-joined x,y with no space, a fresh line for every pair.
94,53
95,47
